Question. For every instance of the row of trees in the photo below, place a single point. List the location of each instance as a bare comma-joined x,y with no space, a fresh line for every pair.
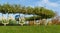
38,11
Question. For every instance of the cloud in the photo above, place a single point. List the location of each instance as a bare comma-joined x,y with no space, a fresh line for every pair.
54,4
48,3
45,1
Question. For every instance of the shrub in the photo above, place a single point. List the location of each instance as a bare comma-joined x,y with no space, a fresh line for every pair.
12,21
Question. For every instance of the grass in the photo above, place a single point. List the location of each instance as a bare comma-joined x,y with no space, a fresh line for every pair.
30,29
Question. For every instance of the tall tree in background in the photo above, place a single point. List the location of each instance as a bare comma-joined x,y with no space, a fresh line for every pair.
39,11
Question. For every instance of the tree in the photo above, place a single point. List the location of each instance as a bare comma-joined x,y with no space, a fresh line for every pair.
39,11
29,10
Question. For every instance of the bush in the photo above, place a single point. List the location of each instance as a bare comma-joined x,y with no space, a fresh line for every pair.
4,21
12,21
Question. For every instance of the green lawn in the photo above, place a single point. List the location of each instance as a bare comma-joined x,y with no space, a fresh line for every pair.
30,29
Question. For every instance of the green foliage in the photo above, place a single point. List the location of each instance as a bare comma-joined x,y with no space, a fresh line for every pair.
12,22
33,17
0,21
40,11
4,21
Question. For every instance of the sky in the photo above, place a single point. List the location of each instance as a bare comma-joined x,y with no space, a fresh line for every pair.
50,4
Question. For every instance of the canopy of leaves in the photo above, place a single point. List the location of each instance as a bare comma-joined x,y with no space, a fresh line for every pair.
40,11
